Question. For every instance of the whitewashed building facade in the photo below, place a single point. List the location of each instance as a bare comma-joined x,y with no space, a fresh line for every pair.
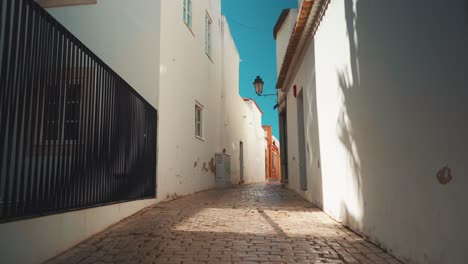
372,110
180,57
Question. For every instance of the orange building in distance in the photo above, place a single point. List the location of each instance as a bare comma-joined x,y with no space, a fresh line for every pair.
272,156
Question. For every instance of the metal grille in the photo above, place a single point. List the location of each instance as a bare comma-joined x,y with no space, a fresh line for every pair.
73,134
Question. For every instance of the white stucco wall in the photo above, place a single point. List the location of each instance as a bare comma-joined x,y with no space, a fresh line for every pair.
38,239
245,126
252,135
305,82
391,104
283,36
188,76
125,36
173,73
242,120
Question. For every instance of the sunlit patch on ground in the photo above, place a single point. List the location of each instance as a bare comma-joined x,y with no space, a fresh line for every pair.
261,223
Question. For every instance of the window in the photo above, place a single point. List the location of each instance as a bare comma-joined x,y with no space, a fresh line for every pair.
70,126
208,23
198,121
72,112
188,13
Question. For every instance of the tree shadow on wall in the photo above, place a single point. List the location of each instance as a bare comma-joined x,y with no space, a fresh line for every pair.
312,141
389,123
347,129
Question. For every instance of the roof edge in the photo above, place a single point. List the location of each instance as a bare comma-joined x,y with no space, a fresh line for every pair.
280,22
305,13
252,100
296,35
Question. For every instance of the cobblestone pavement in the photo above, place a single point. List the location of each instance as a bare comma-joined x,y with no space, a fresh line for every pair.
261,223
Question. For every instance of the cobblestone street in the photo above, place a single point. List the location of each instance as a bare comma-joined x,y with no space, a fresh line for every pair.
261,223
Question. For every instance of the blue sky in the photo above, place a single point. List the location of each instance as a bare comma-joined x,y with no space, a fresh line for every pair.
251,23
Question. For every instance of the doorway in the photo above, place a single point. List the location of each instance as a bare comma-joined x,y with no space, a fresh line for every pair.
267,174
241,161
301,141
283,127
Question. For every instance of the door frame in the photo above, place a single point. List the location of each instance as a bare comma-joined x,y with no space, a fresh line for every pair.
301,141
241,162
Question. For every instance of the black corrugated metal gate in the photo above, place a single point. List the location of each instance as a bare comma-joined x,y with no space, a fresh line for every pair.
73,134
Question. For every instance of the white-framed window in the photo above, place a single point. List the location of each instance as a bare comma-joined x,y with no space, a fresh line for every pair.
188,13
198,120
208,26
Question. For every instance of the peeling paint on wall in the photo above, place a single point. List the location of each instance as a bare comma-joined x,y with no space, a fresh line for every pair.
212,166
172,196
179,177
444,175
208,166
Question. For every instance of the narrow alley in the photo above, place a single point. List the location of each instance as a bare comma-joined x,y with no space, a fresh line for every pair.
233,131
261,223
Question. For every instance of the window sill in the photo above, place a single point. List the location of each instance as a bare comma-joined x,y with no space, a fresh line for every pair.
200,138
189,28
209,57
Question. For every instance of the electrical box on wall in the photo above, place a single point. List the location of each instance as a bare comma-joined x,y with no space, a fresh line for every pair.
223,171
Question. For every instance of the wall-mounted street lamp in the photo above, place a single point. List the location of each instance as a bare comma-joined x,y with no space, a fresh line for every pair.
258,85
